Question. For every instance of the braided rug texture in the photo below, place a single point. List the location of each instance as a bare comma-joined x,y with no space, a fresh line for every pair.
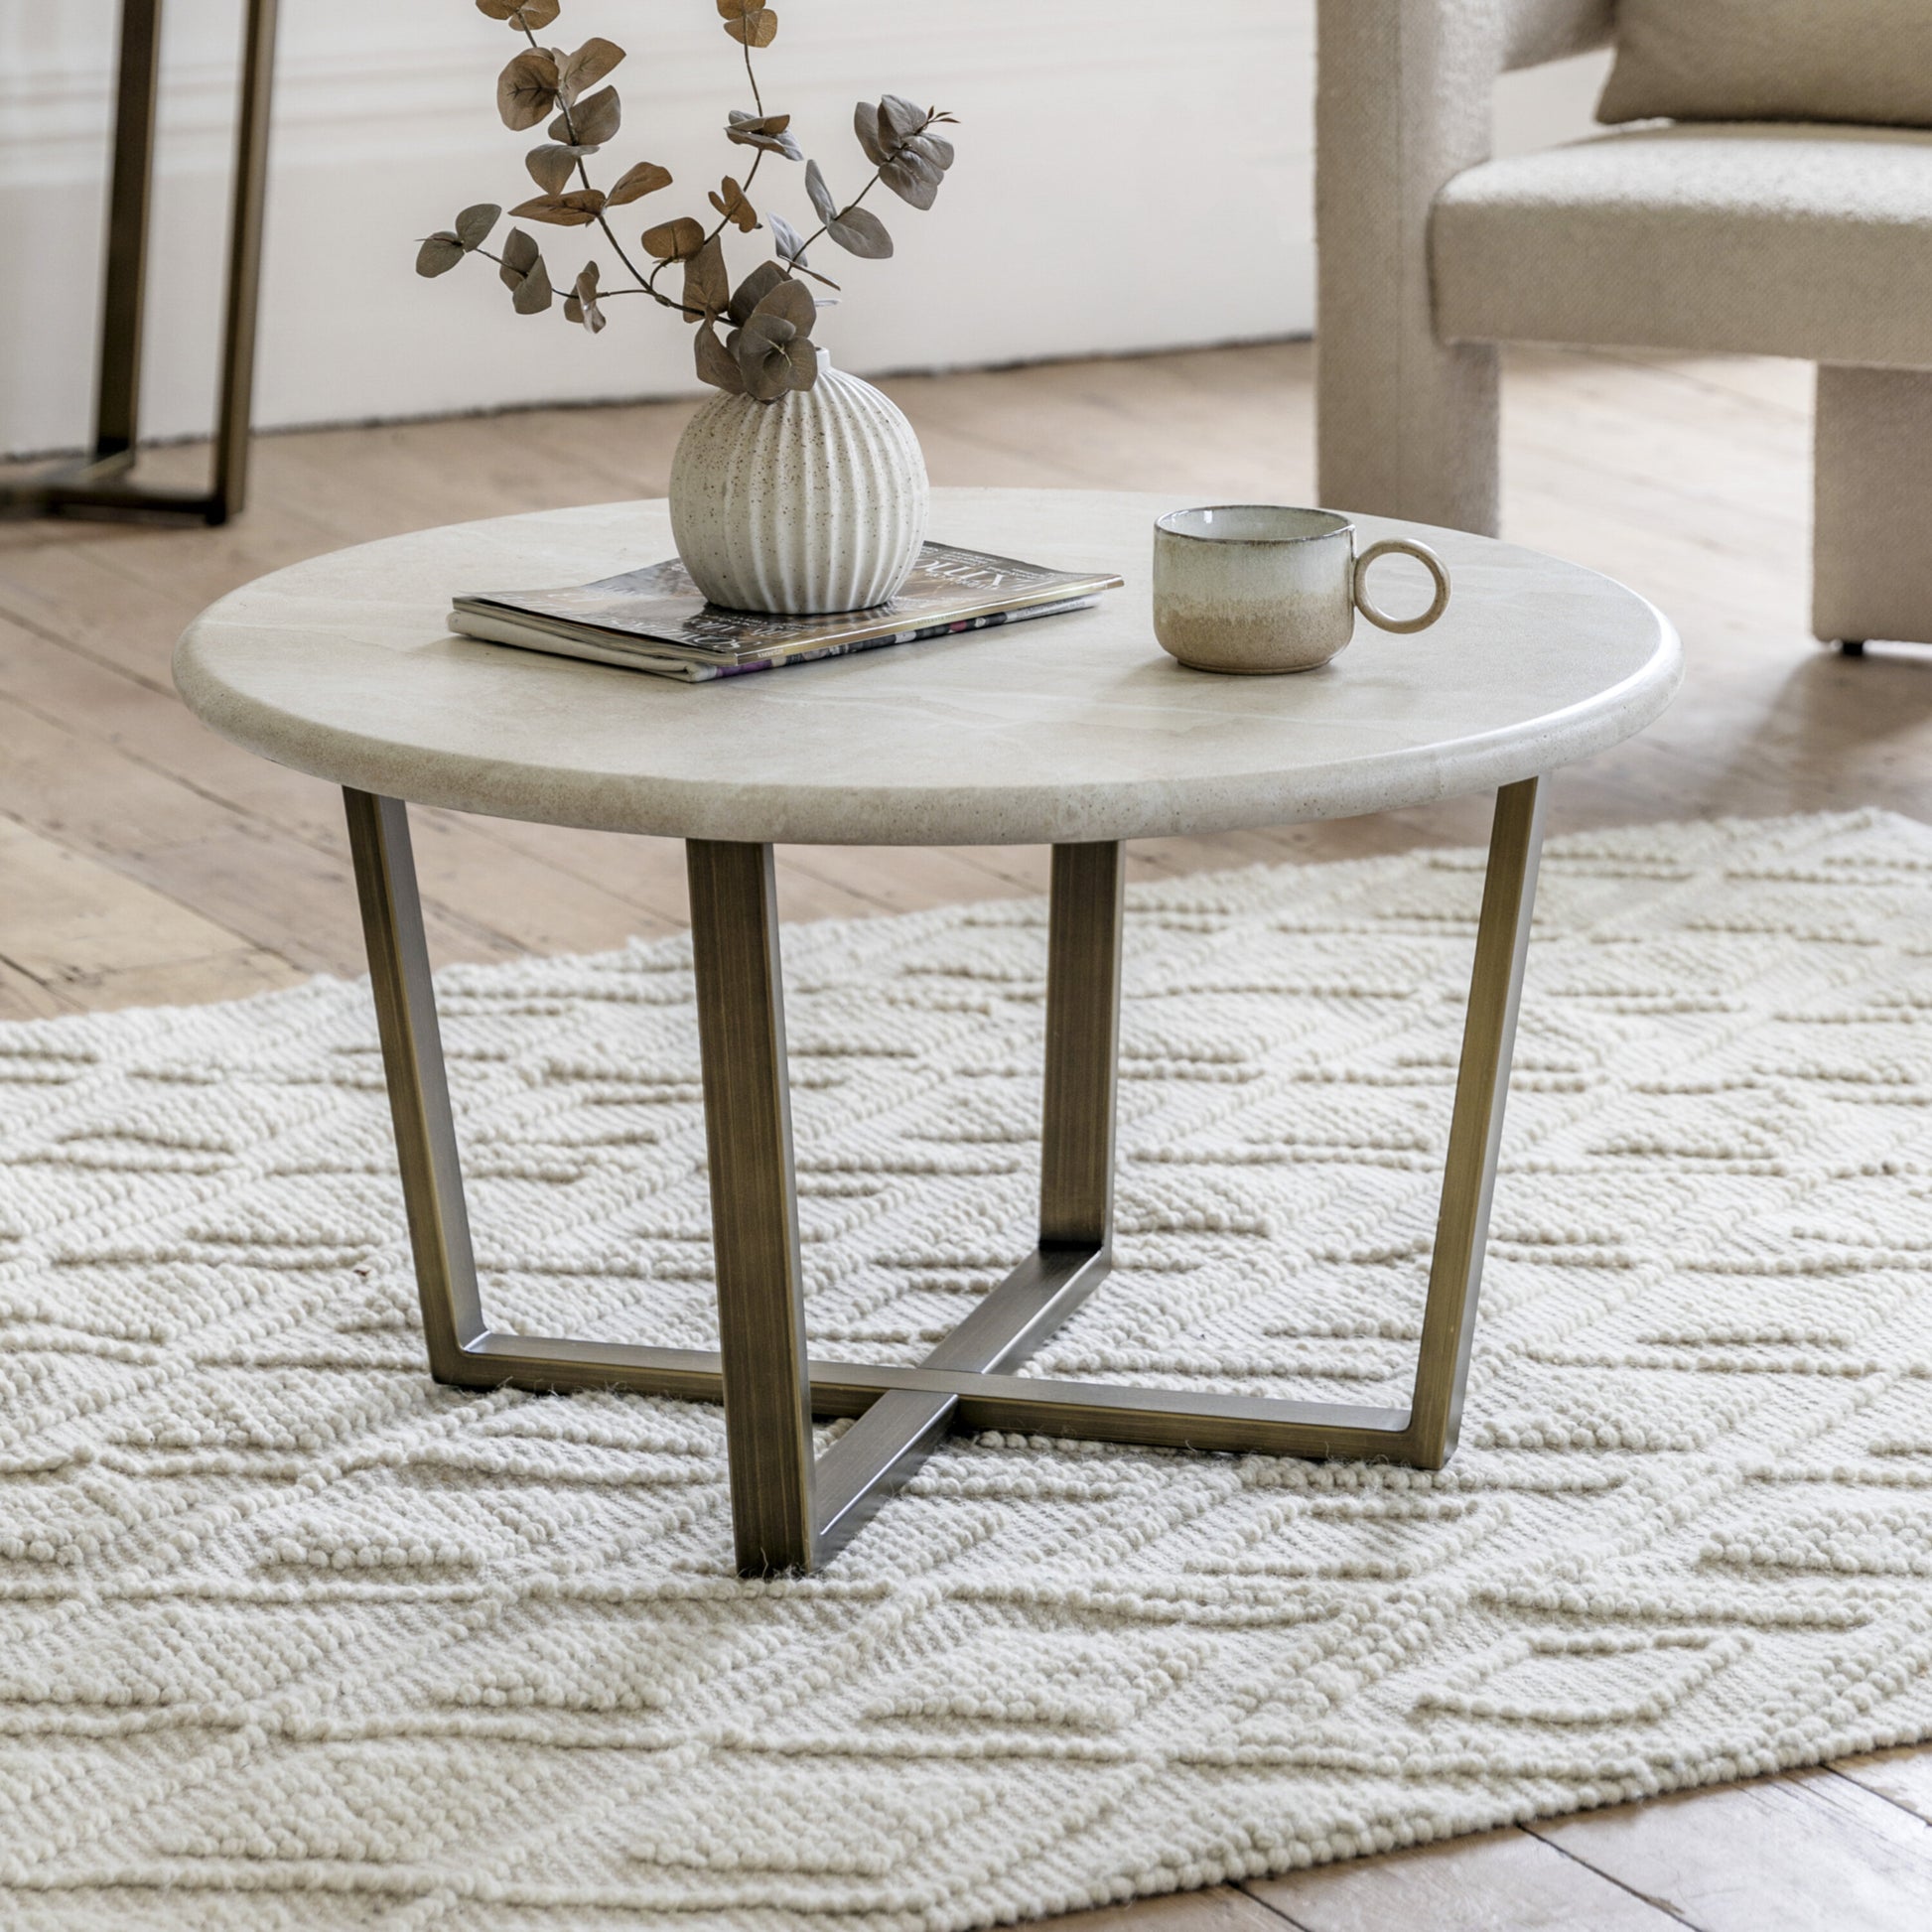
290,1636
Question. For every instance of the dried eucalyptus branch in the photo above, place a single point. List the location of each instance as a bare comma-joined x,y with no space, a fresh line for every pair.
768,350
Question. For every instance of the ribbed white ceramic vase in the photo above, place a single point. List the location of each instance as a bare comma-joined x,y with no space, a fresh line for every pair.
814,503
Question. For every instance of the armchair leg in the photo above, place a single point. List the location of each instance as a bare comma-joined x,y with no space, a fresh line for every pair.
1872,566
1406,423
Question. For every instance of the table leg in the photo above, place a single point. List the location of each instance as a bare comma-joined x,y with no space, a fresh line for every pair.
1076,1157
894,1435
770,1389
99,483
1476,1126
754,1206
463,1352
419,1090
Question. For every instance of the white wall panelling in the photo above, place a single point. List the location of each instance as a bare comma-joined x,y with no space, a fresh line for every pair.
1133,174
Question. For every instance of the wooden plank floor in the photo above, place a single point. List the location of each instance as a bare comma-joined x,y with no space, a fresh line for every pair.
142,859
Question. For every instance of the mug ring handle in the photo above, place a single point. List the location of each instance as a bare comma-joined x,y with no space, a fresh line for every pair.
1391,546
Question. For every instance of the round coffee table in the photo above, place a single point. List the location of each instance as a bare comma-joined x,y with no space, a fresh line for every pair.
1075,732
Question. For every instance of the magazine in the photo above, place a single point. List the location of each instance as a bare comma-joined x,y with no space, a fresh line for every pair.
654,619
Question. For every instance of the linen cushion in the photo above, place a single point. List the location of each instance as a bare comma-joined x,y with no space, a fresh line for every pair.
1767,238
1772,60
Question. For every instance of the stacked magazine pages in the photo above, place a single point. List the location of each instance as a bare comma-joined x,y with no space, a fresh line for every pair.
654,619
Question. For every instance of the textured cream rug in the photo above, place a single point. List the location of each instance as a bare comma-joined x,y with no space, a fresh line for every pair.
289,1638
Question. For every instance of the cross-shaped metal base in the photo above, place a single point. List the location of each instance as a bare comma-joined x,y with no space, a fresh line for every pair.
789,1512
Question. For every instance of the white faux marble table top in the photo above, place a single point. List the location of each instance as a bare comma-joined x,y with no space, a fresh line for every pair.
1072,727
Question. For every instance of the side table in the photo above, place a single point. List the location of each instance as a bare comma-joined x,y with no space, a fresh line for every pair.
98,484
1076,733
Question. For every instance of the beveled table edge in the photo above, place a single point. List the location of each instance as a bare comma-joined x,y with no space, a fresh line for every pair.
1044,814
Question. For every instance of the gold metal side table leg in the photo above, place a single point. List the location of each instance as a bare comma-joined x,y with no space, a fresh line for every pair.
419,1087
1476,1127
786,1513
1076,1203
100,484
753,1204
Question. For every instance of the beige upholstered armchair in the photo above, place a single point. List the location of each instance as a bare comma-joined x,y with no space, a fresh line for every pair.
1774,238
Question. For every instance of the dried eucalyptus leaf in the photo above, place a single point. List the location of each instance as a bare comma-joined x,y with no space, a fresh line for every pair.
915,163
739,12
526,89
783,144
934,148
763,131
764,333
801,361
707,286
770,379
758,28
522,272
715,365
772,353
788,302
762,359
865,124
636,183
823,200
533,292
551,167
674,241
581,304
911,183
598,117
572,210
901,117
766,277
861,233
790,242
439,254
797,263
587,66
522,15
519,257
729,199
474,224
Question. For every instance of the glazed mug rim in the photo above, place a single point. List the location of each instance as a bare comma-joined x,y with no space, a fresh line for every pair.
1335,524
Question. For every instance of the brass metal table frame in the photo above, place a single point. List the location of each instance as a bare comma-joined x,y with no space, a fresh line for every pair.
98,485
787,1512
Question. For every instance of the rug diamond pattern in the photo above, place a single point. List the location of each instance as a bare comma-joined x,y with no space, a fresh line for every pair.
287,1633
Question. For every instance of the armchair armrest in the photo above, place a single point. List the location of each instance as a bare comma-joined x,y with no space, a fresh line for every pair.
1407,425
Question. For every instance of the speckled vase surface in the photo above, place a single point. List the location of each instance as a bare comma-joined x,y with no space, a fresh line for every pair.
811,503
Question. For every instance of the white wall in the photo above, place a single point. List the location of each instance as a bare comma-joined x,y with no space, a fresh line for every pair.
1133,174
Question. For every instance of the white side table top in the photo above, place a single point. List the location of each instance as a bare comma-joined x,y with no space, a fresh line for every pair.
1066,729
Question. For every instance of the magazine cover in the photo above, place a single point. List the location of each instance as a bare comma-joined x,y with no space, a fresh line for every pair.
659,604
700,667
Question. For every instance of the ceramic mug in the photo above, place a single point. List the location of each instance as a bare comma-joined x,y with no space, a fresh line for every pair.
1258,589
